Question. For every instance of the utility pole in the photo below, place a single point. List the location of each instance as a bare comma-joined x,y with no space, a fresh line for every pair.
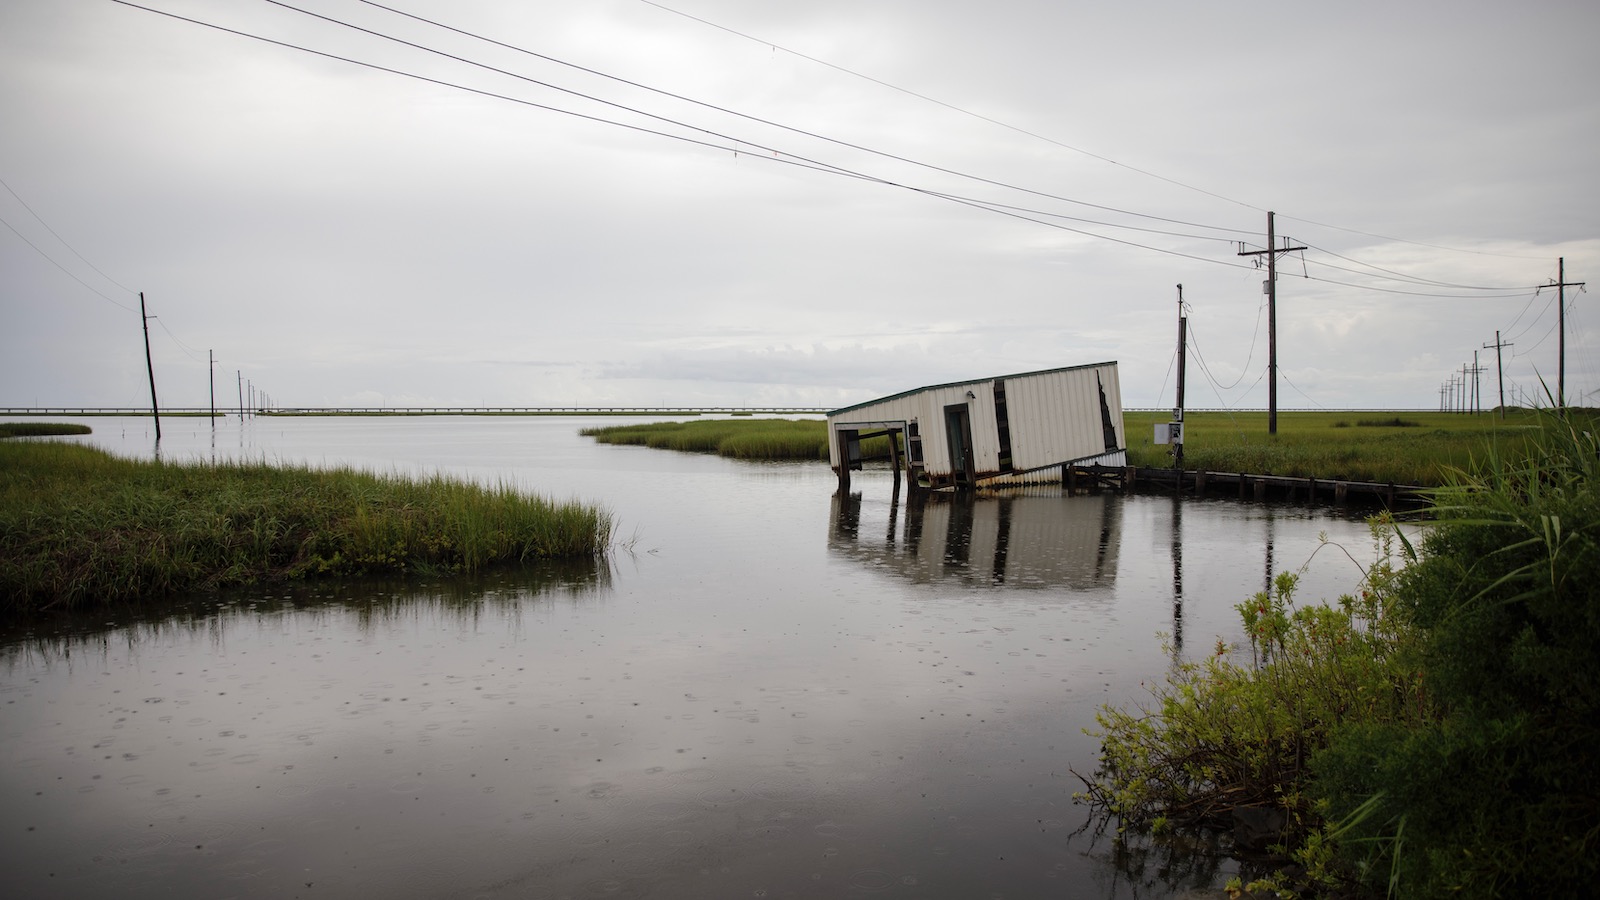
1477,385
1500,372
211,375
240,375
1271,289
1183,341
1561,284
155,410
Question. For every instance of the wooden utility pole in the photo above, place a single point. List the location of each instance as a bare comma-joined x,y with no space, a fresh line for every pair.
1477,385
211,376
1271,289
155,410
240,374
1183,342
1499,368
1561,284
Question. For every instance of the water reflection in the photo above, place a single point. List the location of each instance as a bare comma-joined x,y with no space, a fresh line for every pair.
1177,577
783,694
363,603
1038,538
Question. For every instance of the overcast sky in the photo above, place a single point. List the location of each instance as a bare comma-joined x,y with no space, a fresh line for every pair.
859,197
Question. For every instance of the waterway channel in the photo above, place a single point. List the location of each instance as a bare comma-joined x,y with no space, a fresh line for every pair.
767,690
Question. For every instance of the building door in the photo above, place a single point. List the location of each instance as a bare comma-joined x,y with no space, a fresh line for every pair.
958,430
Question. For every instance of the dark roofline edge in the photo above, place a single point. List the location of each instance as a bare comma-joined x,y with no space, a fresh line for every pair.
935,387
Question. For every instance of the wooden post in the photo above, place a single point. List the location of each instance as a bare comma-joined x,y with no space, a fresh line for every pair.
1200,483
844,438
894,457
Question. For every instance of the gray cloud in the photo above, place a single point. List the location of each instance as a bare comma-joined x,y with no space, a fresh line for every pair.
334,233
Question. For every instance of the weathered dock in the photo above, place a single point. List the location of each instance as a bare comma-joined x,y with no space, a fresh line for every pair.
1245,486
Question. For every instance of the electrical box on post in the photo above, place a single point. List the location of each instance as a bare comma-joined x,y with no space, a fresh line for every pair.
1169,433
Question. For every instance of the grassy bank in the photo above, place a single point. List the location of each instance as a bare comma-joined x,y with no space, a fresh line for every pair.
41,429
1403,448
767,439
79,526
1432,735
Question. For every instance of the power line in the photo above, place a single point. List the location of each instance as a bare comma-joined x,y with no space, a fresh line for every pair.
778,157
57,236
181,345
1383,237
1049,140
68,272
1026,214
710,106
1399,276
949,106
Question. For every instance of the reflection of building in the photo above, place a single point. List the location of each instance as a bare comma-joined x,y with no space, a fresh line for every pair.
1009,429
1022,541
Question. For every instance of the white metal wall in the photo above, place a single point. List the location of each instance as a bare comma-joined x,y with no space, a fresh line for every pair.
1054,417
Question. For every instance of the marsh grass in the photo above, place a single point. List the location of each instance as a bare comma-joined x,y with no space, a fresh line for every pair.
754,439
1417,450
79,526
41,429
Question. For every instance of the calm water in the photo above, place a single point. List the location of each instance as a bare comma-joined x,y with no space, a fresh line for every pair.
768,691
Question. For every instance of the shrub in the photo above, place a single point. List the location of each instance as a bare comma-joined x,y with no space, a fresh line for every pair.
1435,736
1499,795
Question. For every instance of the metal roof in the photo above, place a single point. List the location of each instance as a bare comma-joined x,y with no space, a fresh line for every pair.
950,384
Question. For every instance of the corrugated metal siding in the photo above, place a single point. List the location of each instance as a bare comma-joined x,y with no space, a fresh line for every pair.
1054,417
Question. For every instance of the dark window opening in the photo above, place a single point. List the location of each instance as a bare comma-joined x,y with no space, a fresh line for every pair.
1002,422
1109,429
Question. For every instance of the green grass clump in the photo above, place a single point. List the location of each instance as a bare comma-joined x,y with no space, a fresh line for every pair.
40,429
1417,450
1437,735
763,439
79,526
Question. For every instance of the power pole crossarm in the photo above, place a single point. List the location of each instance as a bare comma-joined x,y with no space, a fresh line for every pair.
1561,284
1271,253
1500,372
